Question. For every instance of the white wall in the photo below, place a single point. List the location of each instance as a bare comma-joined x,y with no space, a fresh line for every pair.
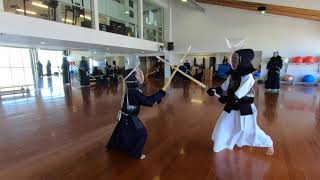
206,32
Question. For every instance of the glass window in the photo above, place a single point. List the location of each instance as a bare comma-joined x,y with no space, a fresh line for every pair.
15,57
15,69
118,16
26,59
5,77
131,3
152,21
55,58
75,12
131,14
4,57
28,76
17,75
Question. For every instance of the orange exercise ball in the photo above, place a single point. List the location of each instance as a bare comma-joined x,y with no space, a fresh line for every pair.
309,59
298,60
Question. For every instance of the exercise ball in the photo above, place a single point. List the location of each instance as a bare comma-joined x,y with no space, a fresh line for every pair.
287,77
309,59
298,60
309,78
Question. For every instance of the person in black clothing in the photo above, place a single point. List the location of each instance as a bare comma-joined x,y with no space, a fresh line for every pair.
225,60
273,78
98,75
96,72
130,135
107,69
49,69
114,72
204,63
188,66
65,71
53,4
157,69
40,69
84,72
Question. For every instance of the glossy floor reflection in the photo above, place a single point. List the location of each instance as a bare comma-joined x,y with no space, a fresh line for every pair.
64,137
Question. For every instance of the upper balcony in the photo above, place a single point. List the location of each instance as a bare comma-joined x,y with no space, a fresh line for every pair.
123,17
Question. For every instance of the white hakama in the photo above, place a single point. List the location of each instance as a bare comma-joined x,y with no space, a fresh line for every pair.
233,129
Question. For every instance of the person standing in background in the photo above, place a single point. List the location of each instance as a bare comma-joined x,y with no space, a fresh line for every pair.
273,78
157,70
84,72
49,74
65,71
40,69
114,71
225,60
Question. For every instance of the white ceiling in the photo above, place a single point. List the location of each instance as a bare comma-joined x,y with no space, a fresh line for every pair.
306,4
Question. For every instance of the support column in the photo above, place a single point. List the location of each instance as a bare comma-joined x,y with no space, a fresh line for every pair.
131,61
1,6
34,60
58,11
148,65
168,38
140,9
95,14
167,69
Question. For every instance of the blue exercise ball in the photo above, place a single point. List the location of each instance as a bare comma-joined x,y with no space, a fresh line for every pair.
309,78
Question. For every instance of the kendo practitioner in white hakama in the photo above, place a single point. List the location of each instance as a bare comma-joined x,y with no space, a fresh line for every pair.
130,135
237,124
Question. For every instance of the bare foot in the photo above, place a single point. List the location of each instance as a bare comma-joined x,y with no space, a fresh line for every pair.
270,151
142,156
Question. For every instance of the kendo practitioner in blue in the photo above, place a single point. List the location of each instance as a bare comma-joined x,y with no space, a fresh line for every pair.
130,135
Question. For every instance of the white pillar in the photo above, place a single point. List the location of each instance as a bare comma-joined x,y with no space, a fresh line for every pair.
1,6
58,13
167,69
140,18
131,61
170,21
168,38
95,14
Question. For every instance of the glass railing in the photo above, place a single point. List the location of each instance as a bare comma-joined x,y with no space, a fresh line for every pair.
115,16
119,16
118,26
153,21
75,14
153,33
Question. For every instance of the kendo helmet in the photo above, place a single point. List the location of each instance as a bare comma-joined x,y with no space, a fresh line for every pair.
133,77
241,61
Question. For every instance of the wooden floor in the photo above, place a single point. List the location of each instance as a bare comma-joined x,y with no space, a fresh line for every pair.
61,134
